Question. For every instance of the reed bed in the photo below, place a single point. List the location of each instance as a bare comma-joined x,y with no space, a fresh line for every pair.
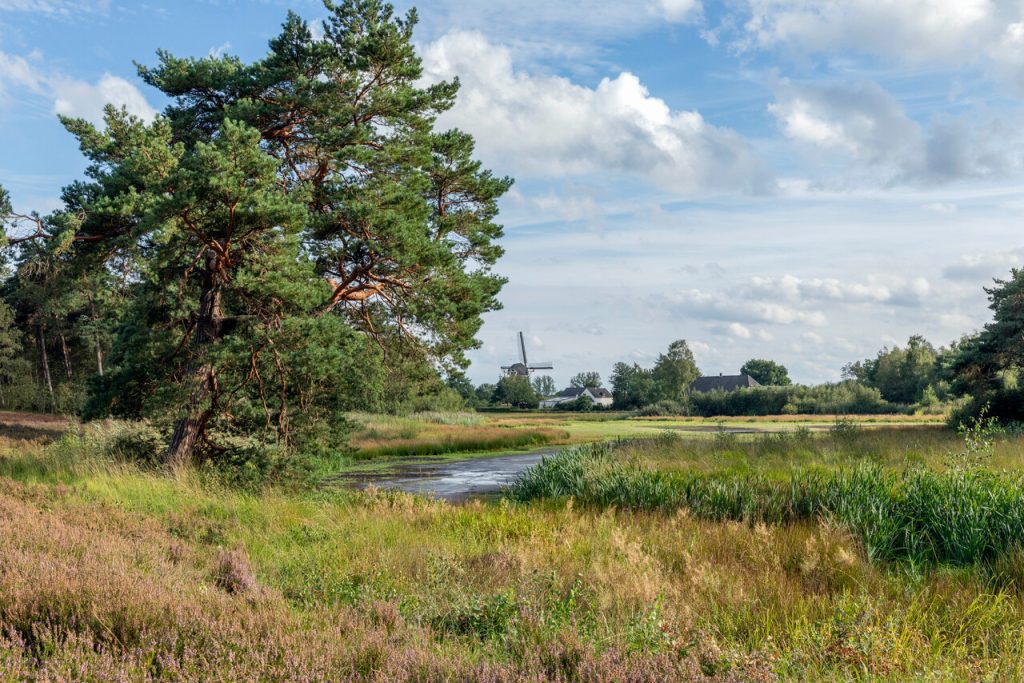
958,516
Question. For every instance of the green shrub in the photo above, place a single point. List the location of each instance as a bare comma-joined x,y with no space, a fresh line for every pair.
665,408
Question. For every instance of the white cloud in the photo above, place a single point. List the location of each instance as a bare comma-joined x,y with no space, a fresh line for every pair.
875,289
550,126
738,330
868,126
989,33
54,7
219,51
726,306
812,338
982,267
543,30
942,208
70,96
678,10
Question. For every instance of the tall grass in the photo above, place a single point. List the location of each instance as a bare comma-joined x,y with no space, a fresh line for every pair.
957,516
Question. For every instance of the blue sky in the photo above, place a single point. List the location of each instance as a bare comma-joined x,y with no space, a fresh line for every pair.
804,181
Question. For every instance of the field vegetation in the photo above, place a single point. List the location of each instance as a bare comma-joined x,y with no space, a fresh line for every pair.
682,557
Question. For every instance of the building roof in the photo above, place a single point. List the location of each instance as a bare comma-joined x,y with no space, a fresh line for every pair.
724,382
576,392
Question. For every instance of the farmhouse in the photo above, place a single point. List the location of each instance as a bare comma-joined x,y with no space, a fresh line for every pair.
599,396
724,382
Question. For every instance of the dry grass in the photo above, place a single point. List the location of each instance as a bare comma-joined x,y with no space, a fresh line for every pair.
442,433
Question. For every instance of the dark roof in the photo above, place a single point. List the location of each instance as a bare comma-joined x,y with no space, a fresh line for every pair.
576,392
724,382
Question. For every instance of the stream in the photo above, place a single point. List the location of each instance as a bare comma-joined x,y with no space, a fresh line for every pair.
457,480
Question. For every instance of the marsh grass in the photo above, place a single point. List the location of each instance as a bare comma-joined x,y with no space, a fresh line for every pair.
436,433
916,514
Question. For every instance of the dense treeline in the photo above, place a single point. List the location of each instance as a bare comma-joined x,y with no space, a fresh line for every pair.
841,398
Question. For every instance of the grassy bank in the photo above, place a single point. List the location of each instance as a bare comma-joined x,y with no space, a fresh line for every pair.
110,571
919,515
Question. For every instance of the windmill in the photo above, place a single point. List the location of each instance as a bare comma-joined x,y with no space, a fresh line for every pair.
523,368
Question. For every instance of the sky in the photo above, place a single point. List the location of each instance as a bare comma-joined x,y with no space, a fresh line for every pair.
789,179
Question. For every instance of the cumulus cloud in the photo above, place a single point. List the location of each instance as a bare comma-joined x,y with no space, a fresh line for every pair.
727,307
548,125
989,33
70,96
739,331
870,127
792,289
790,300
678,10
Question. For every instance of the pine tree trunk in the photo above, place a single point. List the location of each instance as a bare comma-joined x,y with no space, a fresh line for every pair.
191,426
96,335
99,356
44,361
67,356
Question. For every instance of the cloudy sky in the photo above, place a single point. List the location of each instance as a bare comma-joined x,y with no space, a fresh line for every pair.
794,179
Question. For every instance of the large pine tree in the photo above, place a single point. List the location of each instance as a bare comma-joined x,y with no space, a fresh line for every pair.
290,228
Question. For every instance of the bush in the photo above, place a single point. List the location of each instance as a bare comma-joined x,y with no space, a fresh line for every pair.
136,442
233,573
665,409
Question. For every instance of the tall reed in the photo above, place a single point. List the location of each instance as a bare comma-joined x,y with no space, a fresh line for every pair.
960,516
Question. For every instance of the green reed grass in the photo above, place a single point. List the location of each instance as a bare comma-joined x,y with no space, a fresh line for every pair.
959,516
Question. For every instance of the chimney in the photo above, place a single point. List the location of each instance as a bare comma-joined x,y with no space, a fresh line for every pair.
720,374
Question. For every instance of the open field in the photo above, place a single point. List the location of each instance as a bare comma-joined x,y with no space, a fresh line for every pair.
110,570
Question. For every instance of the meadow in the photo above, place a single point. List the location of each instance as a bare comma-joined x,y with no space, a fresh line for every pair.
671,556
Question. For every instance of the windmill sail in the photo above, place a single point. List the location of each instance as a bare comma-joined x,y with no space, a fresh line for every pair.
524,367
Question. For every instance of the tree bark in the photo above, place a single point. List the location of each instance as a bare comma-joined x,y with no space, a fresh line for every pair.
44,361
99,356
67,356
96,336
191,426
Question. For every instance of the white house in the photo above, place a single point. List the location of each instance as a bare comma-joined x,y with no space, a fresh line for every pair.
599,396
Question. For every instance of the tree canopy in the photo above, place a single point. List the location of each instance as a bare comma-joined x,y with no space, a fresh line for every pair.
902,375
296,236
987,366
586,380
675,370
767,372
